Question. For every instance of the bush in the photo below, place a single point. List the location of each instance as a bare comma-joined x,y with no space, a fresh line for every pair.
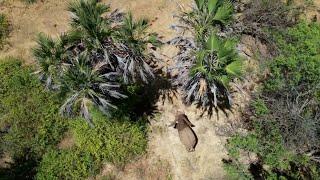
257,17
67,164
112,140
29,121
298,64
292,90
285,123
4,30
274,161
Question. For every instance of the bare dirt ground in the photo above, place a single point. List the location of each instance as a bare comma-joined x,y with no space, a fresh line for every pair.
27,21
166,158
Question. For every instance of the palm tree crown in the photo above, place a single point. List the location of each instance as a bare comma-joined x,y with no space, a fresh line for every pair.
206,63
90,63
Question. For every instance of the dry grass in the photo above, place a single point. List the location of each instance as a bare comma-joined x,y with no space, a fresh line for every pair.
67,142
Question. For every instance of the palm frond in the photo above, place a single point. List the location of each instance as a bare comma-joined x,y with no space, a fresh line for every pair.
87,16
212,6
84,111
91,85
224,12
116,16
227,49
49,54
213,43
68,107
200,4
132,37
235,68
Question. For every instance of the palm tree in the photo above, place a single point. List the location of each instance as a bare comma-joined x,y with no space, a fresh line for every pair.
86,84
133,40
205,17
89,63
87,21
208,78
50,55
205,62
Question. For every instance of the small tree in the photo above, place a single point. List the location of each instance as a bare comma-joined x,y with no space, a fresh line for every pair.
206,62
208,79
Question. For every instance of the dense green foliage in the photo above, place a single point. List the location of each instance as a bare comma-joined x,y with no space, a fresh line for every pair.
284,133
274,159
112,140
29,116
31,128
67,164
298,64
115,141
29,119
295,83
4,30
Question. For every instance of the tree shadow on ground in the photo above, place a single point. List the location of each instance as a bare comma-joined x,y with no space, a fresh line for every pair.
21,168
142,103
222,105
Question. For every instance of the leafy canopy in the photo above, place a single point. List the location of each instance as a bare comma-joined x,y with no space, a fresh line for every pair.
29,119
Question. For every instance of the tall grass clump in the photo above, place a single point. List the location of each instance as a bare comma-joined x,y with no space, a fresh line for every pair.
4,30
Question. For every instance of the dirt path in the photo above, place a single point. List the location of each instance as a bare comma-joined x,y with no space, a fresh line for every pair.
166,157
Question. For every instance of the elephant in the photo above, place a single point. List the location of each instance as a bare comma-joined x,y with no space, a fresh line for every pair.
187,136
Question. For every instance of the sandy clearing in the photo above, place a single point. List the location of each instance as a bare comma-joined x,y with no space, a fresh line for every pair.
27,21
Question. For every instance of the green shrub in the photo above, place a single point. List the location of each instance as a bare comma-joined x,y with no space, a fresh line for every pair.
298,63
28,115
112,140
274,160
73,164
4,30
285,127
30,1
292,91
260,107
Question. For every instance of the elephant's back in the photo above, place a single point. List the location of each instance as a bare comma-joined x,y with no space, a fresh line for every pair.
188,138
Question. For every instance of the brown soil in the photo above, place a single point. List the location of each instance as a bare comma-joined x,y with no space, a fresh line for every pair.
28,20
